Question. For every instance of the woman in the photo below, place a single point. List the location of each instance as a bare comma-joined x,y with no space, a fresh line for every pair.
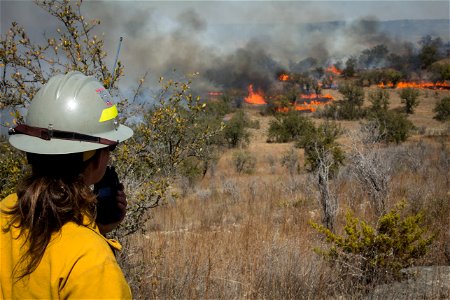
51,246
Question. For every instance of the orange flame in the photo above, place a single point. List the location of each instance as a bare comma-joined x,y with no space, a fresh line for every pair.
306,106
423,85
254,97
283,77
334,70
310,103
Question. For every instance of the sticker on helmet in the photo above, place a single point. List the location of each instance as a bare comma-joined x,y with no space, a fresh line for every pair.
106,97
109,114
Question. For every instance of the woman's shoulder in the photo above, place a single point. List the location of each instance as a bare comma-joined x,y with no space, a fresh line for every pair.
81,237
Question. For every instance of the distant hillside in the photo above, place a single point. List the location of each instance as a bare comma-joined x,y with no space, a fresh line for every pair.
402,30
405,30
413,30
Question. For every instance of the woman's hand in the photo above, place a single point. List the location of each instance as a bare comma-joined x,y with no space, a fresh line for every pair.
121,199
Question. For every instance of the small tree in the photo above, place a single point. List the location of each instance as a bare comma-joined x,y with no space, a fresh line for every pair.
442,110
235,130
390,126
391,76
379,99
350,67
409,97
323,156
440,71
350,108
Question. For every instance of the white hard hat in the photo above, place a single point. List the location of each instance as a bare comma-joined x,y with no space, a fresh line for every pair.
71,113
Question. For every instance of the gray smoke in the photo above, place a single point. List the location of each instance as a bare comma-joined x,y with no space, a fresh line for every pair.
160,41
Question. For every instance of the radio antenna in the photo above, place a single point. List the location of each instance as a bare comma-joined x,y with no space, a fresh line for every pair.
115,61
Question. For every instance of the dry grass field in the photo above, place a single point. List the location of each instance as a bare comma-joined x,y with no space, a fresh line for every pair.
247,236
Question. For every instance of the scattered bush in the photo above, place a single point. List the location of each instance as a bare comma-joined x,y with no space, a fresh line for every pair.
350,67
390,126
370,255
409,97
351,107
440,71
442,110
192,170
385,76
235,132
379,99
289,127
320,145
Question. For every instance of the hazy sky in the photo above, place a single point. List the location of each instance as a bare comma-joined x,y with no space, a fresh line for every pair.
243,12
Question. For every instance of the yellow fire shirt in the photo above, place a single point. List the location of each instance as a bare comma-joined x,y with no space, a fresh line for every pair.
77,264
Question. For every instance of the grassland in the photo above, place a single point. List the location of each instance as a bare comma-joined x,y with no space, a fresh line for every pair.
247,236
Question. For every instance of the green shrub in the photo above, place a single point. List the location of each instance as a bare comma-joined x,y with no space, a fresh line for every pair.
368,254
379,99
235,132
352,93
321,148
289,127
391,126
218,108
442,110
440,71
350,108
192,169
409,97
350,67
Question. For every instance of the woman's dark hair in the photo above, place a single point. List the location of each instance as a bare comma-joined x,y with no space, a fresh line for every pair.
51,196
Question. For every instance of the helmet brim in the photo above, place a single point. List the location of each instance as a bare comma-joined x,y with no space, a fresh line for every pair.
58,146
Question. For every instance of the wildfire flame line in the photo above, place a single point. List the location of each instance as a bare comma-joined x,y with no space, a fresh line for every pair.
309,104
422,84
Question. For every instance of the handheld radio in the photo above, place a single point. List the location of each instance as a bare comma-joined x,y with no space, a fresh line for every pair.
106,191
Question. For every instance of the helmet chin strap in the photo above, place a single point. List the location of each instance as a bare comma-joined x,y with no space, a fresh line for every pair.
50,133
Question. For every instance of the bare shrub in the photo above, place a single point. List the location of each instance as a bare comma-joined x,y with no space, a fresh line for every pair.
291,161
371,167
244,162
271,160
231,188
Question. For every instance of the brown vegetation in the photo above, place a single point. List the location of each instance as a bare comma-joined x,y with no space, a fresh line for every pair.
248,235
